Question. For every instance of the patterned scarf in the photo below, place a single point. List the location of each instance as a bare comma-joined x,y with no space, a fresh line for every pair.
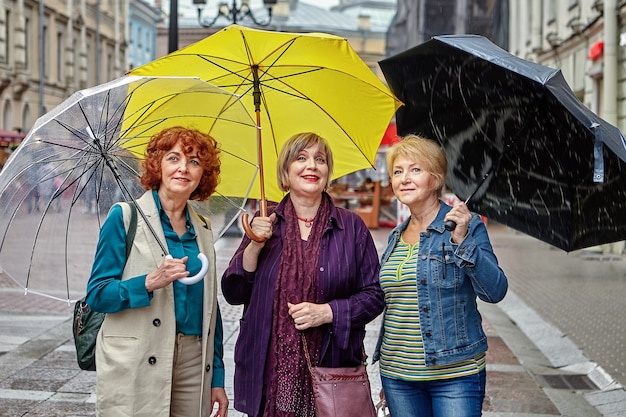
287,379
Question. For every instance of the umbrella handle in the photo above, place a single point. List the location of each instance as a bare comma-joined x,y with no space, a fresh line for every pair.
198,277
246,225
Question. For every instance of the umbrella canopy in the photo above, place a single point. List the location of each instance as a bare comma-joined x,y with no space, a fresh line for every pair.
516,135
84,156
295,83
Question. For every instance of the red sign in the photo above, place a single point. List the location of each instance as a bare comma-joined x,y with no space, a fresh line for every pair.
596,50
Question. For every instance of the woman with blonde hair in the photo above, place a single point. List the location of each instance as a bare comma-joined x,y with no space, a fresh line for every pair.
432,346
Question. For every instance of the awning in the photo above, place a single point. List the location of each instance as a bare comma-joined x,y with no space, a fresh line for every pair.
8,137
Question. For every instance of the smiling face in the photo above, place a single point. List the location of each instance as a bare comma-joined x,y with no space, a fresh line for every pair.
412,184
308,172
181,173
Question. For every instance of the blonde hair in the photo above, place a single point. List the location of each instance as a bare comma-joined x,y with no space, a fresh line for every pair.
425,151
292,148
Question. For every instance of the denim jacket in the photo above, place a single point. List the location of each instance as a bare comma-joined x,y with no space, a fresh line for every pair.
449,278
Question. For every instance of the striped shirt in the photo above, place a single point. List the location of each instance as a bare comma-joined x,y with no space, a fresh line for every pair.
402,350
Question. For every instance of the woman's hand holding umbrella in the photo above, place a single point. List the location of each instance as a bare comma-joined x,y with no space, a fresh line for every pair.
169,271
261,227
460,217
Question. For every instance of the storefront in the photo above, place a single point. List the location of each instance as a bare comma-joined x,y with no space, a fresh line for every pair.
8,142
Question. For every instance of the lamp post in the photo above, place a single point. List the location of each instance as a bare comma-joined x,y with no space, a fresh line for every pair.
233,12
173,28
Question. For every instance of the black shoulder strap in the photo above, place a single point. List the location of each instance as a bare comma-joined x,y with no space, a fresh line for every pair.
132,228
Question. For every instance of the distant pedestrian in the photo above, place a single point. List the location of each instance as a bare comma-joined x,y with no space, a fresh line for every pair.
432,347
316,275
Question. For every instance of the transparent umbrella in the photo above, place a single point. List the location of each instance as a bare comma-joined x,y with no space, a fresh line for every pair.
84,156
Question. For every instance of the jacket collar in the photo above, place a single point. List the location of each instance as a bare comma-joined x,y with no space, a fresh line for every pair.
437,224
336,219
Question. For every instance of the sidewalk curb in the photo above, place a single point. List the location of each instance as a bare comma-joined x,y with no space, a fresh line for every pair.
556,354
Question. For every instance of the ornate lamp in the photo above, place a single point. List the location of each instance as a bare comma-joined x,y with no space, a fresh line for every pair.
234,12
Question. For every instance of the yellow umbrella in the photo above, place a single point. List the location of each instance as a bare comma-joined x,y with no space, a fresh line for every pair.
294,82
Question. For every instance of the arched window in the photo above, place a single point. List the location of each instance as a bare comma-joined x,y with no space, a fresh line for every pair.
6,115
27,123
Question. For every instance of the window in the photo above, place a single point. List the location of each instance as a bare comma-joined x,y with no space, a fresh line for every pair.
60,60
26,121
27,42
76,59
110,66
7,37
46,52
6,115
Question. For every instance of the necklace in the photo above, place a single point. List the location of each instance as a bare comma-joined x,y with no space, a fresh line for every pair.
307,222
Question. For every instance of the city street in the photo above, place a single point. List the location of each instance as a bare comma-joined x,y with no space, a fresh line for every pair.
557,341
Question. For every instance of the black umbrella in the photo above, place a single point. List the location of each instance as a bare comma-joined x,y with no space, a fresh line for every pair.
520,145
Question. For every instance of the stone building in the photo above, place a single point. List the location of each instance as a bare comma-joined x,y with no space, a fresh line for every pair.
416,21
585,39
52,48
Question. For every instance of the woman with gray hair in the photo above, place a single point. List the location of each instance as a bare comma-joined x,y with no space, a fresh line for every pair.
316,274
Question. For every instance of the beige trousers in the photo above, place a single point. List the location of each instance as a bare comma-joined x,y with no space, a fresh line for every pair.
186,376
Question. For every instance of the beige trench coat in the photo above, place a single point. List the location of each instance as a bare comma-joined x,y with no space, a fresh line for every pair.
135,347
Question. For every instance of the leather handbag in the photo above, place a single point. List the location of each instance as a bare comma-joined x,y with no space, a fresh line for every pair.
87,322
340,392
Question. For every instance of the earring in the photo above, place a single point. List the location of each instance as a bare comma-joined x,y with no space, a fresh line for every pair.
285,187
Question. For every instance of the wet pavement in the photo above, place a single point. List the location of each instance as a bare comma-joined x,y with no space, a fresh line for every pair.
556,342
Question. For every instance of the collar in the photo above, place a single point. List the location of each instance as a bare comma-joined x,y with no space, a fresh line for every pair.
163,215
336,220
437,224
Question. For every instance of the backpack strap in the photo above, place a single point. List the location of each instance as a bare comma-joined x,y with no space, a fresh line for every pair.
132,228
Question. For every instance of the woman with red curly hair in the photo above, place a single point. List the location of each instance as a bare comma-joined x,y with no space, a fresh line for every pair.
159,351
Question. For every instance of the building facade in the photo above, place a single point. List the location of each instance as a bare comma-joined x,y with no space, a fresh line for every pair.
142,33
585,39
416,21
52,48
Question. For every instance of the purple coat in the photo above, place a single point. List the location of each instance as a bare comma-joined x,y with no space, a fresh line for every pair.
348,281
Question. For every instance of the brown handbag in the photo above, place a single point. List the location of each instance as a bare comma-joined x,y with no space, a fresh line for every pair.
340,392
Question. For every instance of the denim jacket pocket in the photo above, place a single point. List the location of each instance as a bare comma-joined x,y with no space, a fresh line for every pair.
445,273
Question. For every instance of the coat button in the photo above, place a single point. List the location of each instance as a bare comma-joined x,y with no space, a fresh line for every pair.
156,322
425,309
433,361
423,282
208,368
427,334
151,360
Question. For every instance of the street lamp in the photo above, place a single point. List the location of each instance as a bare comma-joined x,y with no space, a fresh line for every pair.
234,12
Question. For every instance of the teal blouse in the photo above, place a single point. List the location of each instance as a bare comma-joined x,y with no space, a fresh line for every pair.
107,293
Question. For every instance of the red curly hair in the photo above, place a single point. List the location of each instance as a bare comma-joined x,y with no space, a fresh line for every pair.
165,140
